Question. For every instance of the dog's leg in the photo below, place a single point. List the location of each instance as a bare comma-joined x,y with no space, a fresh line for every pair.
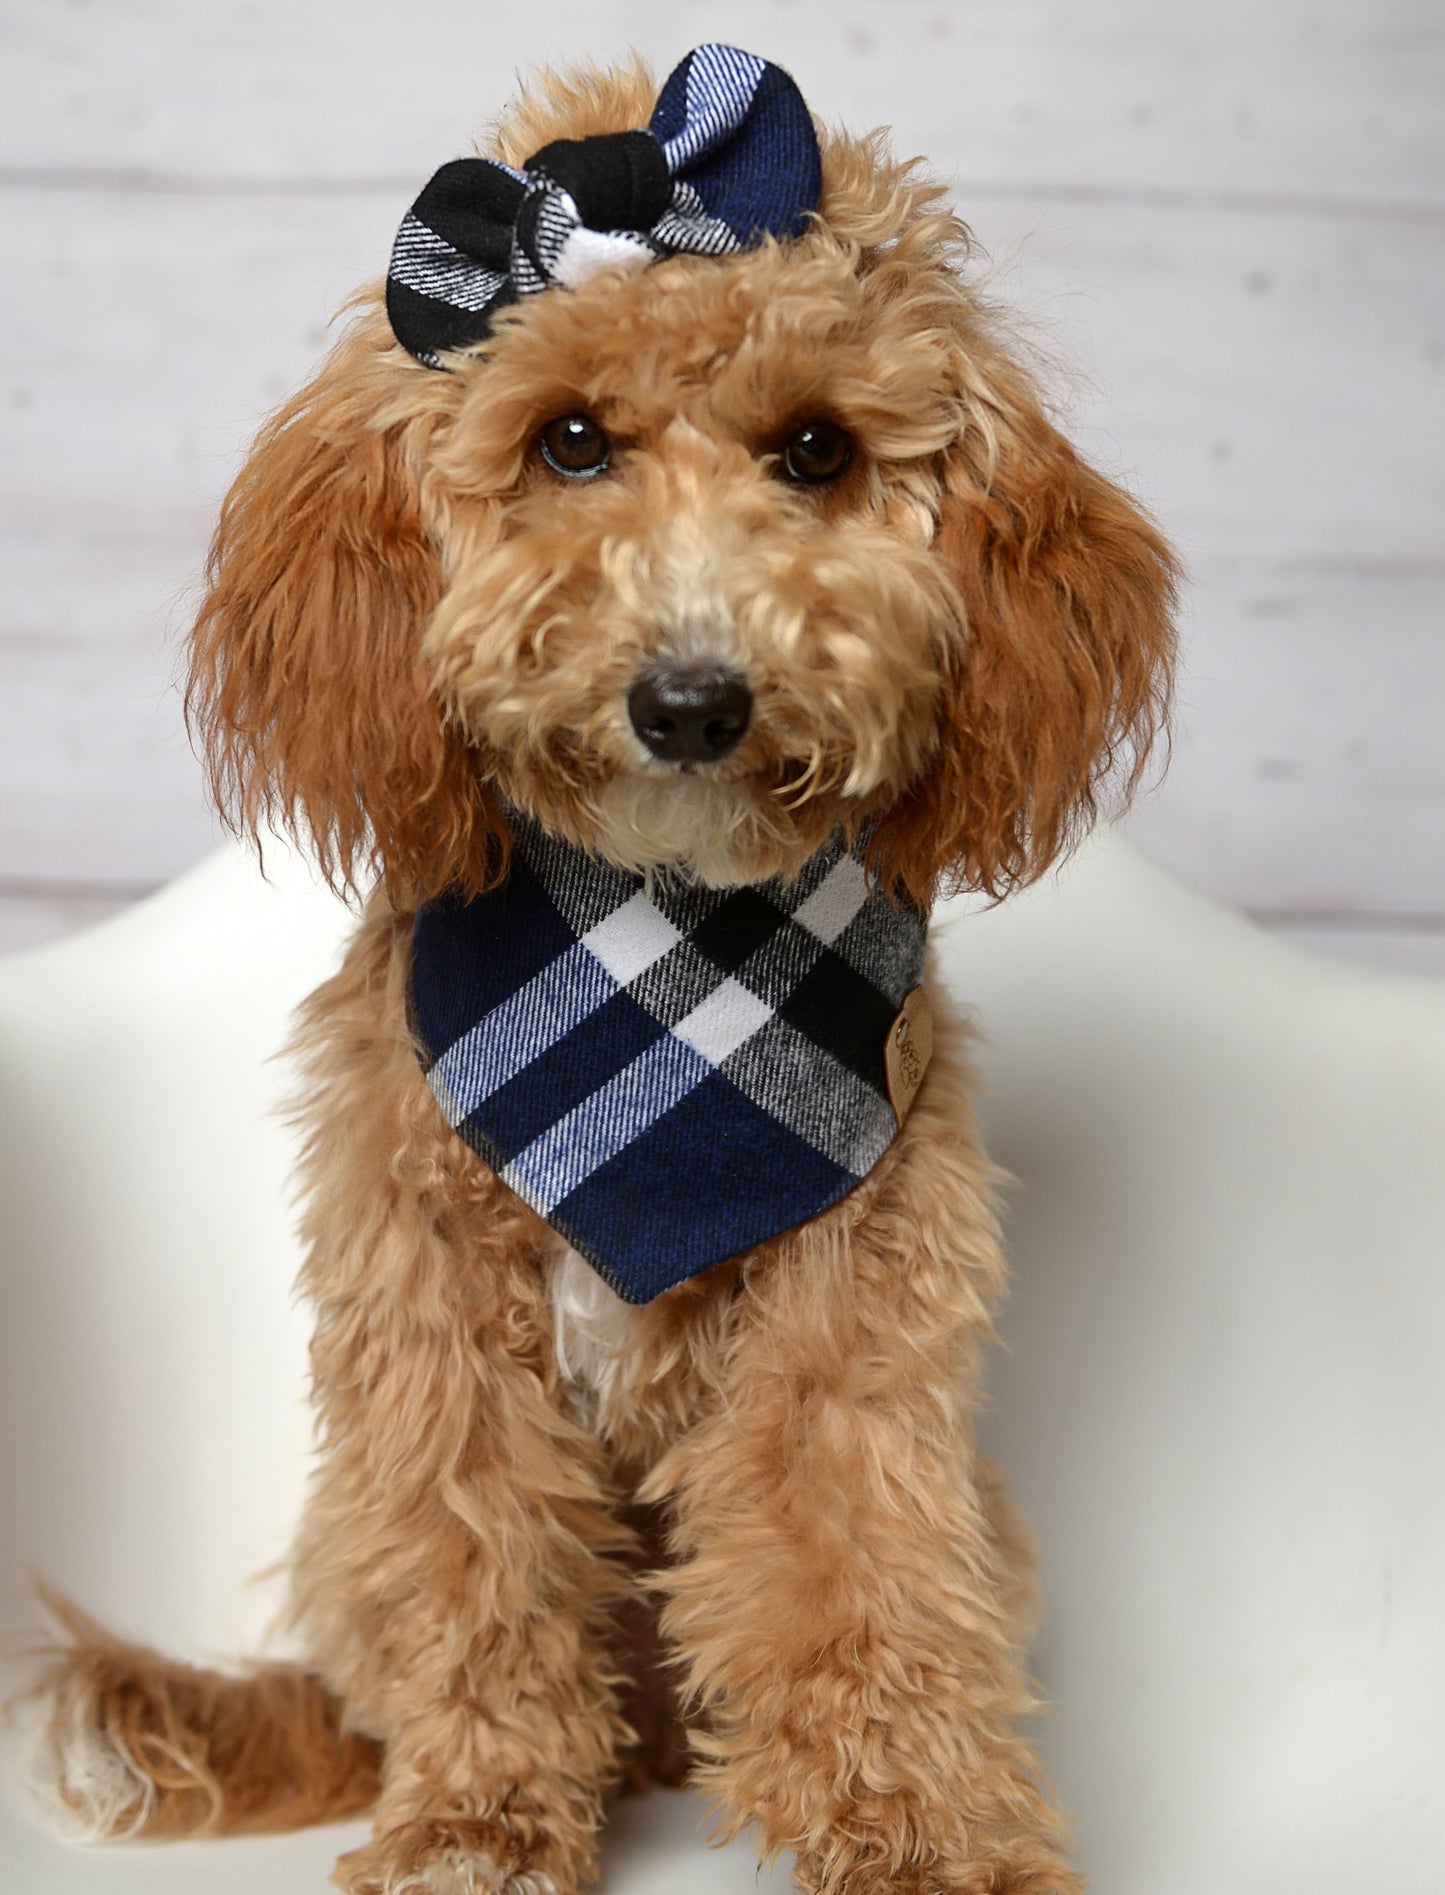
462,1617
461,1557
840,1597
455,1574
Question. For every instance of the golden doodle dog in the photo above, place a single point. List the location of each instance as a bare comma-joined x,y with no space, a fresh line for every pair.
660,593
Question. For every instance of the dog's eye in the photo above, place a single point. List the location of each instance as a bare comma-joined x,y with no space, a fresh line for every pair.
816,453
575,447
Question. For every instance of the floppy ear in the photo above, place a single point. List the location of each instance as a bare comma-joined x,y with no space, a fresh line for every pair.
1061,678
307,693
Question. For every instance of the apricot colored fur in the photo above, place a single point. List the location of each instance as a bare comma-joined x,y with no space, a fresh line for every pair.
199,1753
961,643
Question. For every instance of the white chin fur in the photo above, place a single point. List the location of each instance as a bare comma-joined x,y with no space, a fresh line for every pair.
713,830
592,1327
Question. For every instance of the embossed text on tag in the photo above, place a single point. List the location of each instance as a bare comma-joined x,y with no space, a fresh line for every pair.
909,1049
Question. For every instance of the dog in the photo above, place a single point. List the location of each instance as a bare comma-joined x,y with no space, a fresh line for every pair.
634,566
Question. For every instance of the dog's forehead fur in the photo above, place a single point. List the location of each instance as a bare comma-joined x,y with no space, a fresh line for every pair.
742,348
740,352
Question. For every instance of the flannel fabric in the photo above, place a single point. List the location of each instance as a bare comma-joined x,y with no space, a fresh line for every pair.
729,158
669,1074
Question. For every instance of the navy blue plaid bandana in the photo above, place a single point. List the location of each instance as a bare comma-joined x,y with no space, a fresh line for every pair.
670,1074
730,157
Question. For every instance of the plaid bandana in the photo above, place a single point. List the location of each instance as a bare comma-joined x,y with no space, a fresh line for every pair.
670,1074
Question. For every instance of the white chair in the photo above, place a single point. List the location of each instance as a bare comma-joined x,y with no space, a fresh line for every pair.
1222,1402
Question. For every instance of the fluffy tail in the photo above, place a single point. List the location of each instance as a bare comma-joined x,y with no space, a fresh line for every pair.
134,1745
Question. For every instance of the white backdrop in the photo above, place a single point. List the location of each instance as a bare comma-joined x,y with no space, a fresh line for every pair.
1224,224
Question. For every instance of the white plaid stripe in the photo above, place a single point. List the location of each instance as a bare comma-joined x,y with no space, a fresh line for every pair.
833,904
557,218
726,1020
631,938
569,1152
620,947
686,225
586,253
553,1166
721,82
614,952
424,262
512,1035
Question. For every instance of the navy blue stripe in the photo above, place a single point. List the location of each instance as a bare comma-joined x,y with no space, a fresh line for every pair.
759,169
747,1178
570,1071
468,957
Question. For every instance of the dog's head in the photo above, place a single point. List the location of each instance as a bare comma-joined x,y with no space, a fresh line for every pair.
696,565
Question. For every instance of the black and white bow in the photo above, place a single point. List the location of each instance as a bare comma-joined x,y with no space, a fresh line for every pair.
729,158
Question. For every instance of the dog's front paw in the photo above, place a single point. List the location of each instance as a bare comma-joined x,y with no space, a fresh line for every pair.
443,1855
1022,1869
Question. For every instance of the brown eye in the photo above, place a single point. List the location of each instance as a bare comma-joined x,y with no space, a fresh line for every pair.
575,447
817,453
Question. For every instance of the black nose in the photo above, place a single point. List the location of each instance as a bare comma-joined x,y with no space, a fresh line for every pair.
690,716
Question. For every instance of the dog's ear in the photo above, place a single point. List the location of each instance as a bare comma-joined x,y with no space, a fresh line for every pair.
307,693
1060,682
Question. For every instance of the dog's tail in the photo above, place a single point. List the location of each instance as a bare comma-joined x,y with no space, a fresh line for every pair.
134,1745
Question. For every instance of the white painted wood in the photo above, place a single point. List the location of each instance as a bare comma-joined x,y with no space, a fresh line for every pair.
1271,383
155,333
152,342
1318,99
1263,367
97,782
1308,772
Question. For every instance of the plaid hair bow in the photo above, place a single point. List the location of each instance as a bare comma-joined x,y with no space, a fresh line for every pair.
730,157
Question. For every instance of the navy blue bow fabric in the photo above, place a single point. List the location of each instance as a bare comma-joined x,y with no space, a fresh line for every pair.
730,157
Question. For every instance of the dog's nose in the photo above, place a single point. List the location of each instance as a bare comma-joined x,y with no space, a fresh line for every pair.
692,715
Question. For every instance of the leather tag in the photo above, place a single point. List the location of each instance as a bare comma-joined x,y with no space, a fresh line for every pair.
909,1049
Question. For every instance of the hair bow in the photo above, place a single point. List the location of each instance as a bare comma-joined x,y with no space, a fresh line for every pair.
729,157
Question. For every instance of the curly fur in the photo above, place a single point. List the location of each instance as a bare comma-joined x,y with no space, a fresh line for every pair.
409,618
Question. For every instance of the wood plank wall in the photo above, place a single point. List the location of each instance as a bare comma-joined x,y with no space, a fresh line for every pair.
1224,227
